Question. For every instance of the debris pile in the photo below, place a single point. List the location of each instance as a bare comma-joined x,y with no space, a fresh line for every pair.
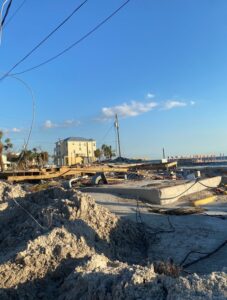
60,244
104,279
56,229
9,191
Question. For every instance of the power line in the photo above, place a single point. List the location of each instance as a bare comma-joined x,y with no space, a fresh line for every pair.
14,14
31,92
75,43
44,40
2,9
1,18
104,137
6,13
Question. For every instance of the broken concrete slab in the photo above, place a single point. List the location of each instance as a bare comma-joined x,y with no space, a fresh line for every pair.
162,195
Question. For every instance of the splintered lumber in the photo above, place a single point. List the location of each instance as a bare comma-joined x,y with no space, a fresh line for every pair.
158,166
61,172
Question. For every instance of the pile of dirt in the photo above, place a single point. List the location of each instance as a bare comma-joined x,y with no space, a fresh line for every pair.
104,279
45,235
59,244
8,191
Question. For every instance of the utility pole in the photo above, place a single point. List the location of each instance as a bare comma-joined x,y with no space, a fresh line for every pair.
163,153
116,124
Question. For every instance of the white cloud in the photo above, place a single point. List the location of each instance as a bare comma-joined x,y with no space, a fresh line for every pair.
150,95
48,124
135,108
173,104
16,130
70,123
12,130
132,109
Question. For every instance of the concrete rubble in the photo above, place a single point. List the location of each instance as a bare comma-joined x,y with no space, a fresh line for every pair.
60,244
158,193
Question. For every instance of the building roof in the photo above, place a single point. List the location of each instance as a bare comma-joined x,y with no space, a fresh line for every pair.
78,139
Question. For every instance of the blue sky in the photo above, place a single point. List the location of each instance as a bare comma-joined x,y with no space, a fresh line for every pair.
162,65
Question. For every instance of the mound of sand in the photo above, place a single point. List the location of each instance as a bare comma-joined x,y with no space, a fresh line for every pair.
8,191
51,228
59,244
104,279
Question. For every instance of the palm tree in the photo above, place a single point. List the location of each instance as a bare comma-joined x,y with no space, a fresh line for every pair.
107,151
98,153
8,145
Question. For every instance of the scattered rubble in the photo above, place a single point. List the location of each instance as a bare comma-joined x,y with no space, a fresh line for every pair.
60,244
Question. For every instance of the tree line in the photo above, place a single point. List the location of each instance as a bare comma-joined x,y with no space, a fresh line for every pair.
26,158
104,152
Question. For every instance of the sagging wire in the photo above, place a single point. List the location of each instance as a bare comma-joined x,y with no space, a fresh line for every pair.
1,19
27,212
207,255
15,13
7,12
191,186
28,87
207,186
31,92
94,29
105,135
44,39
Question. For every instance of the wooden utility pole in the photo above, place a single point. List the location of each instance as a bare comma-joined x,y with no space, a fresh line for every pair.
116,124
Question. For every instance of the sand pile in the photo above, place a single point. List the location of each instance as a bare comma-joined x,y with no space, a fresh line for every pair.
8,191
104,279
52,231
59,244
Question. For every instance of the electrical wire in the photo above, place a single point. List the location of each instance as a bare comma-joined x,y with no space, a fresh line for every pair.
43,40
14,14
1,13
181,194
1,19
74,44
28,87
106,134
7,12
28,213
207,186
194,182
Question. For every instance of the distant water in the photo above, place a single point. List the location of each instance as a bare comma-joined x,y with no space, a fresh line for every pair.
202,166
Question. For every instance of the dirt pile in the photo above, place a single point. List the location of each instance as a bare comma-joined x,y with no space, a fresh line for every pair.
59,244
45,235
8,191
104,279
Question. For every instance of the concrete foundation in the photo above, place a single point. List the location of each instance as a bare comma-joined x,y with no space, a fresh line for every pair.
157,195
